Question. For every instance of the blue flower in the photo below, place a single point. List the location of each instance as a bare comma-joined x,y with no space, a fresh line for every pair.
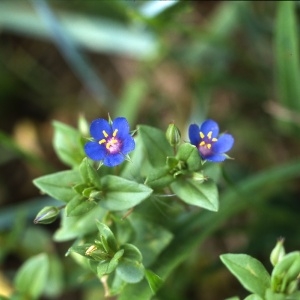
210,146
111,141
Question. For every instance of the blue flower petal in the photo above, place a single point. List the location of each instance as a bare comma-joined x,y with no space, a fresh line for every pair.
128,144
216,157
122,125
97,127
210,125
194,134
224,143
95,151
113,160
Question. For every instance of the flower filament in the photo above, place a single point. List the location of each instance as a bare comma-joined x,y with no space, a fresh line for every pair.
112,144
207,141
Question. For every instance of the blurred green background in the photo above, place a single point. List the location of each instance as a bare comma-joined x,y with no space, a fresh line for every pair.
153,62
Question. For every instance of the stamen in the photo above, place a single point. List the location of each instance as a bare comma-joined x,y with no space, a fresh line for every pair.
214,139
102,141
105,133
202,135
208,146
209,134
202,143
111,143
115,132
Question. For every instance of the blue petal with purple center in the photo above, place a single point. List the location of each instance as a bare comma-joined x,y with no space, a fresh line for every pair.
211,146
111,141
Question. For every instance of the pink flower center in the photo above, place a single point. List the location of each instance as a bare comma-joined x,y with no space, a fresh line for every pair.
206,143
112,144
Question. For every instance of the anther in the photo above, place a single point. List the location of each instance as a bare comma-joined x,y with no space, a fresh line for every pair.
105,133
115,132
209,134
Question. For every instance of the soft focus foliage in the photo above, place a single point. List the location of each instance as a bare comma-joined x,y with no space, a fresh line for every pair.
155,63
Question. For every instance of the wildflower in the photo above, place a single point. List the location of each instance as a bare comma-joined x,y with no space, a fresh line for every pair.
205,138
111,141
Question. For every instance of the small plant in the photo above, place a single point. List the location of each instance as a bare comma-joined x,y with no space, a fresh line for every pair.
121,212
282,284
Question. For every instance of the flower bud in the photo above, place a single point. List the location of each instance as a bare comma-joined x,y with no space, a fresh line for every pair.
173,135
278,252
47,215
292,287
83,125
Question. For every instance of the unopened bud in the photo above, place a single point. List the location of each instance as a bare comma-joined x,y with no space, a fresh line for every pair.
278,252
292,287
173,135
83,125
47,215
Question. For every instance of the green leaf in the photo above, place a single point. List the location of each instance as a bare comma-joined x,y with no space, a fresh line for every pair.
130,268
55,280
190,155
68,144
31,278
159,178
254,297
154,281
89,174
150,239
130,271
193,192
108,267
109,237
287,55
73,227
122,194
59,185
132,253
270,295
79,206
249,271
155,145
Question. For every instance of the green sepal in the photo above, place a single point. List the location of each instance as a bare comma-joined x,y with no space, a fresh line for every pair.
172,162
59,185
249,271
79,188
68,144
90,251
193,192
122,194
107,238
159,178
88,191
189,154
108,267
79,205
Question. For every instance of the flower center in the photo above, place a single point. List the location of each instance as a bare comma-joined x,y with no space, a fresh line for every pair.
112,143
206,143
